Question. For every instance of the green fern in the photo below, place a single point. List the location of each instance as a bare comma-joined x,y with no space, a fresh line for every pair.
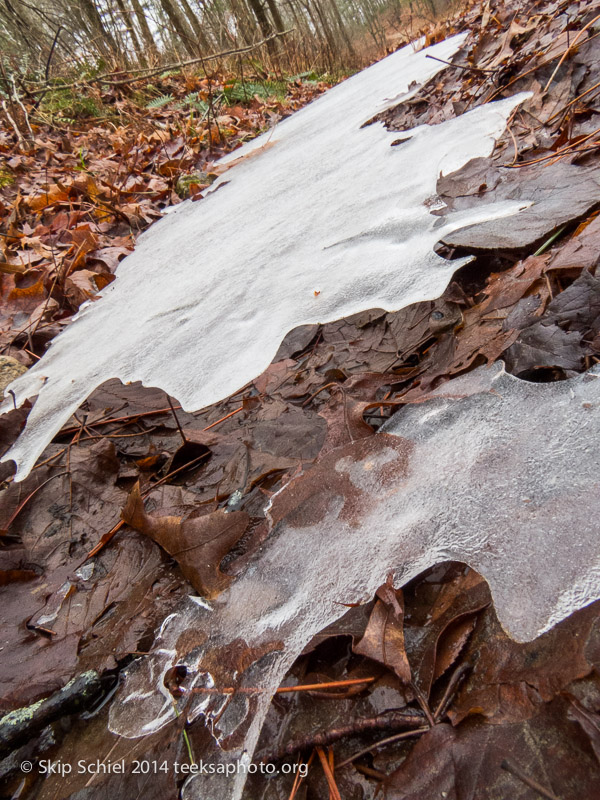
159,102
193,101
245,92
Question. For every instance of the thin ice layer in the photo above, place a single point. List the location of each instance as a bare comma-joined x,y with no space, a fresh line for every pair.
495,472
326,221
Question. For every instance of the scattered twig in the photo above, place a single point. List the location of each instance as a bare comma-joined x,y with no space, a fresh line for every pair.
322,389
450,692
19,102
465,67
370,772
575,99
127,418
383,743
53,47
179,428
565,150
13,124
104,540
300,776
515,770
568,50
527,72
20,726
22,505
382,722
219,421
422,701
308,687
334,792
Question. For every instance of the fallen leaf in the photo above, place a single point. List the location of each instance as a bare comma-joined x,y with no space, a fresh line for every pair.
197,544
383,639
465,763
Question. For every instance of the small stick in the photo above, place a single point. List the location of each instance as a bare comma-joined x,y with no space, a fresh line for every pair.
448,696
334,792
308,687
528,72
390,740
218,422
566,53
299,777
554,158
54,43
371,773
509,766
179,428
322,389
165,68
422,701
460,66
579,96
12,122
127,418
29,496
360,726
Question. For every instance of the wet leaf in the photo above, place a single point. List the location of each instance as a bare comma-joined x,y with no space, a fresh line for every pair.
466,763
509,682
383,639
197,544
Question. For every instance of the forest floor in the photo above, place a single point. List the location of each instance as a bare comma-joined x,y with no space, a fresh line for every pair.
435,699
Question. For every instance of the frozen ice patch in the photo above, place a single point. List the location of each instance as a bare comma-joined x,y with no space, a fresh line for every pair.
505,478
326,221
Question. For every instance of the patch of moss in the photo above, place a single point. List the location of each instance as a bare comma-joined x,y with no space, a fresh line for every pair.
6,177
184,182
68,105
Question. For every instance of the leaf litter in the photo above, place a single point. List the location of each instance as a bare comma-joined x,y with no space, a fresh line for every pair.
528,711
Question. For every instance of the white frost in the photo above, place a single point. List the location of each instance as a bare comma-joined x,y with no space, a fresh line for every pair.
326,221
504,476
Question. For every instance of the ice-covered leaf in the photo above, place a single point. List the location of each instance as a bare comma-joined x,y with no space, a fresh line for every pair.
327,220
492,471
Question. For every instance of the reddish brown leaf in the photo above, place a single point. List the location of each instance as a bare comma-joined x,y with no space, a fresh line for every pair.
465,763
197,544
383,639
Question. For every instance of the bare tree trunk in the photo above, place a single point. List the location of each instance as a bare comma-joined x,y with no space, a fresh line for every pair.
19,27
342,29
125,16
243,20
333,48
279,26
144,29
194,23
103,39
179,25
261,17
